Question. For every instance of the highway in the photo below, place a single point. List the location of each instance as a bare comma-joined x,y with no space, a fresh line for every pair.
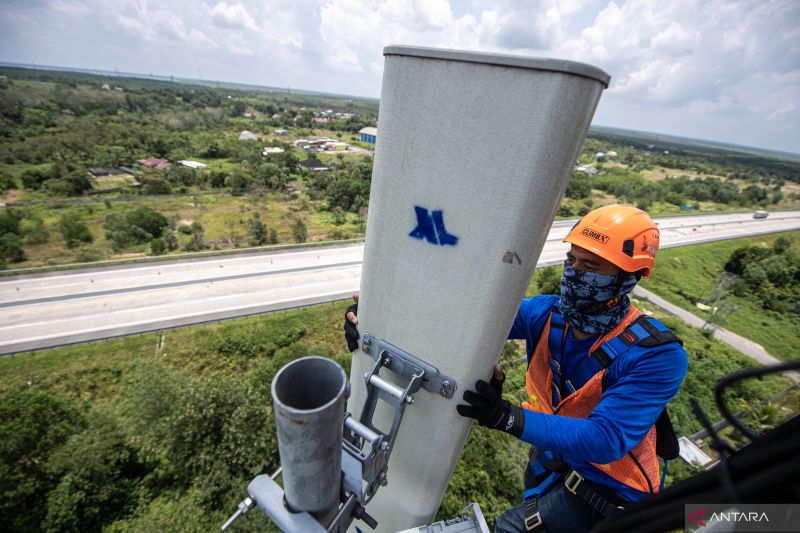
57,308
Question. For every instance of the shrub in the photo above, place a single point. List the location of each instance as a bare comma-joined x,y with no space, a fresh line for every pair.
299,230
73,230
9,221
11,248
580,186
157,246
87,254
256,232
34,230
134,227
32,426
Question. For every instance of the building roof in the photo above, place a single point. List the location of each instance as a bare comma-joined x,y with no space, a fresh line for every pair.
192,164
273,150
155,163
586,169
247,136
312,163
105,171
369,130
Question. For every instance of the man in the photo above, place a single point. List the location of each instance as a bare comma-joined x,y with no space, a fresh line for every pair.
599,377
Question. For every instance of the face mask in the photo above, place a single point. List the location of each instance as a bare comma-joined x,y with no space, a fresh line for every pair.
585,296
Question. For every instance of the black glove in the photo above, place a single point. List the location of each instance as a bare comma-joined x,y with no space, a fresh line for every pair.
351,334
488,407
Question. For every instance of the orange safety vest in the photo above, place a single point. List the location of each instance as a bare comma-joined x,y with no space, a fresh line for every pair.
639,468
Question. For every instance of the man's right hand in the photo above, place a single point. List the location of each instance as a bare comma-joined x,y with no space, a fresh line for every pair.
351,334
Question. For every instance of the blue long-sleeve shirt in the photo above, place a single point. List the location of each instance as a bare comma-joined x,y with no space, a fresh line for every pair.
638,385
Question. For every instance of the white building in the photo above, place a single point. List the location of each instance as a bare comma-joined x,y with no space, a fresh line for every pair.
192,164
336,146
586,169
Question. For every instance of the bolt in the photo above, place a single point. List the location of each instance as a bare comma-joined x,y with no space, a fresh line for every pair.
387,361
384,446
410,400
382,479
446,387
366,345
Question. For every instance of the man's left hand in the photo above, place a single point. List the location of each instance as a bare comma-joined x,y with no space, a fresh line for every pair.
487,406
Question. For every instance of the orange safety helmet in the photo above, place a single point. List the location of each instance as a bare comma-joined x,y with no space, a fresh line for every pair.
621,234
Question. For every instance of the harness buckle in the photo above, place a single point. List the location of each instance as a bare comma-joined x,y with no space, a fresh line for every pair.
573,480
533,521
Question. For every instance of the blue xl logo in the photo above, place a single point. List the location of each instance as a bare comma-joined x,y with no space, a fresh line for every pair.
431,227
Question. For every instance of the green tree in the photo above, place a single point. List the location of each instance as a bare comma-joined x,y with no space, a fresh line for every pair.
134,227
11,248
155,185
74,230
237,182
548,280
782,244
580,186
754,194
32,426
339,216
299,230
9,221
197,241
7,183
256,232
157,246
212,434
565,210
98,473
348,193
169,238
33,179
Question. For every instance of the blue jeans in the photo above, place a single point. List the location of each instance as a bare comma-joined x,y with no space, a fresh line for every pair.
561,511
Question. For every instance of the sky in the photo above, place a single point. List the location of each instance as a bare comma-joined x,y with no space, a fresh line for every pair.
722,70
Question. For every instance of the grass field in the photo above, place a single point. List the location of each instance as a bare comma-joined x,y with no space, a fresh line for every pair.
687,274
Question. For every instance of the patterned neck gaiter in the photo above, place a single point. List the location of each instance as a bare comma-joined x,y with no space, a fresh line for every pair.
585,296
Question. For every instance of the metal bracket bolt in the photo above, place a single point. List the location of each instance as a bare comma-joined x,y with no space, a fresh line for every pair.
447,389
407,366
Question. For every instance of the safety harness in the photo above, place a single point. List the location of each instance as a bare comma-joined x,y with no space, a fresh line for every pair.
644,331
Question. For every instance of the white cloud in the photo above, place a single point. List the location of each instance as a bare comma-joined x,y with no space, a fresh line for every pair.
232,16
201,40
512,25
670,53
726,62
238,45
154,25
